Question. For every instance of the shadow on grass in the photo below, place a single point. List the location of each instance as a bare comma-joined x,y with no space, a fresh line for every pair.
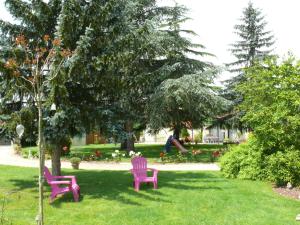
25,184
118,186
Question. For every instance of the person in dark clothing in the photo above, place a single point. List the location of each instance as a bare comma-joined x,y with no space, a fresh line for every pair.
169,144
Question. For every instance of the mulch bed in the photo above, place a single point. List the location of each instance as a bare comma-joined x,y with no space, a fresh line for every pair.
290,193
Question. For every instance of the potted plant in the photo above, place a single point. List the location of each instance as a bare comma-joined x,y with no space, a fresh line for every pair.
75,161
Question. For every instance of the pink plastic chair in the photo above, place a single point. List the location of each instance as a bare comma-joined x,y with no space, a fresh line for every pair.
59,186
139,172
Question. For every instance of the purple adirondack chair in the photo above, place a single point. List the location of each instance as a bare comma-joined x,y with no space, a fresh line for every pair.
139,172
60,186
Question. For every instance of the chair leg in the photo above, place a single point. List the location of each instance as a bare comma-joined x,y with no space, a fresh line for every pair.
137,186
52,197
76,195
155,184
76,192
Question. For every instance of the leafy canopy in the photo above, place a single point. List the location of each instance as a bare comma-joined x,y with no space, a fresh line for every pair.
184,102
271,102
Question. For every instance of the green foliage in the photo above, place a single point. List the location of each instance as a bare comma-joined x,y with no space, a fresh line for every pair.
271,105
184,133
254,45
249,161
244,161
191,99
198,138
255,42
75,160
151,152
27,117
284,167
271,102
134,61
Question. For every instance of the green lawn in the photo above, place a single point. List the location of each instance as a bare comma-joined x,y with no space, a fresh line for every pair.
151,152
187,198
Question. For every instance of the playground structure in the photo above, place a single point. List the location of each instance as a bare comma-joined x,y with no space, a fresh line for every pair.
179,146
171,140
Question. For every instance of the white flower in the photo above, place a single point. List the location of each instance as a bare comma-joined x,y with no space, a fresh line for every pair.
113,155
123,155
117,151
131,153
138,154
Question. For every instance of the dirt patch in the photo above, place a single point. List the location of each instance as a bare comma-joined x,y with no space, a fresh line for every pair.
287,192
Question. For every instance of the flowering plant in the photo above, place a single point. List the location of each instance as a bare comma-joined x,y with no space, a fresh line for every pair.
216,154
162,156
98,154
196,152
117,155
133,154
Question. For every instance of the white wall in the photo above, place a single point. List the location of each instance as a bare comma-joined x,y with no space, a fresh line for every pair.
79,140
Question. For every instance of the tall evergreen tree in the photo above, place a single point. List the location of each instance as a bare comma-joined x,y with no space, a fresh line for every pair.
129,49
255,44
123,51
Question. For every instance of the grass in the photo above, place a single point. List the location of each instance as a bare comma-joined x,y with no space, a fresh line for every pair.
183,198
151,152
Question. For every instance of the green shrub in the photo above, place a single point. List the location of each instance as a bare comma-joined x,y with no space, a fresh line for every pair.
284,167
244,161
250,161
184,133
75,160
198,138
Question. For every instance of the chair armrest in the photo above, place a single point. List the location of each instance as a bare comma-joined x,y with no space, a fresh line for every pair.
155,171
60,182
152,169
63,177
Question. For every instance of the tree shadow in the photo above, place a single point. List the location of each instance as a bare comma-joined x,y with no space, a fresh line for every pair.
20,184
118,186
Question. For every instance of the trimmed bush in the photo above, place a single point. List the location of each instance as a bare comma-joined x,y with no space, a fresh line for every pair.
198,138
243,161
284,167
75,161
250,161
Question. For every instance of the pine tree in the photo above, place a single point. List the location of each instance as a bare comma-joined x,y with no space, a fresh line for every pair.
254,44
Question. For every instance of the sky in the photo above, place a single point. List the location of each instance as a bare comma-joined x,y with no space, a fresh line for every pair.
213,21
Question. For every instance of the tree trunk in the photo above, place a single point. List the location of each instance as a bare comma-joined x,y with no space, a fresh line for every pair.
55,160
130,137
128,144
176,132
123,145
40,216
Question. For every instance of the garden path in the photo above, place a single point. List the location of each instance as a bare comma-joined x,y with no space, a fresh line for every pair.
7,157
